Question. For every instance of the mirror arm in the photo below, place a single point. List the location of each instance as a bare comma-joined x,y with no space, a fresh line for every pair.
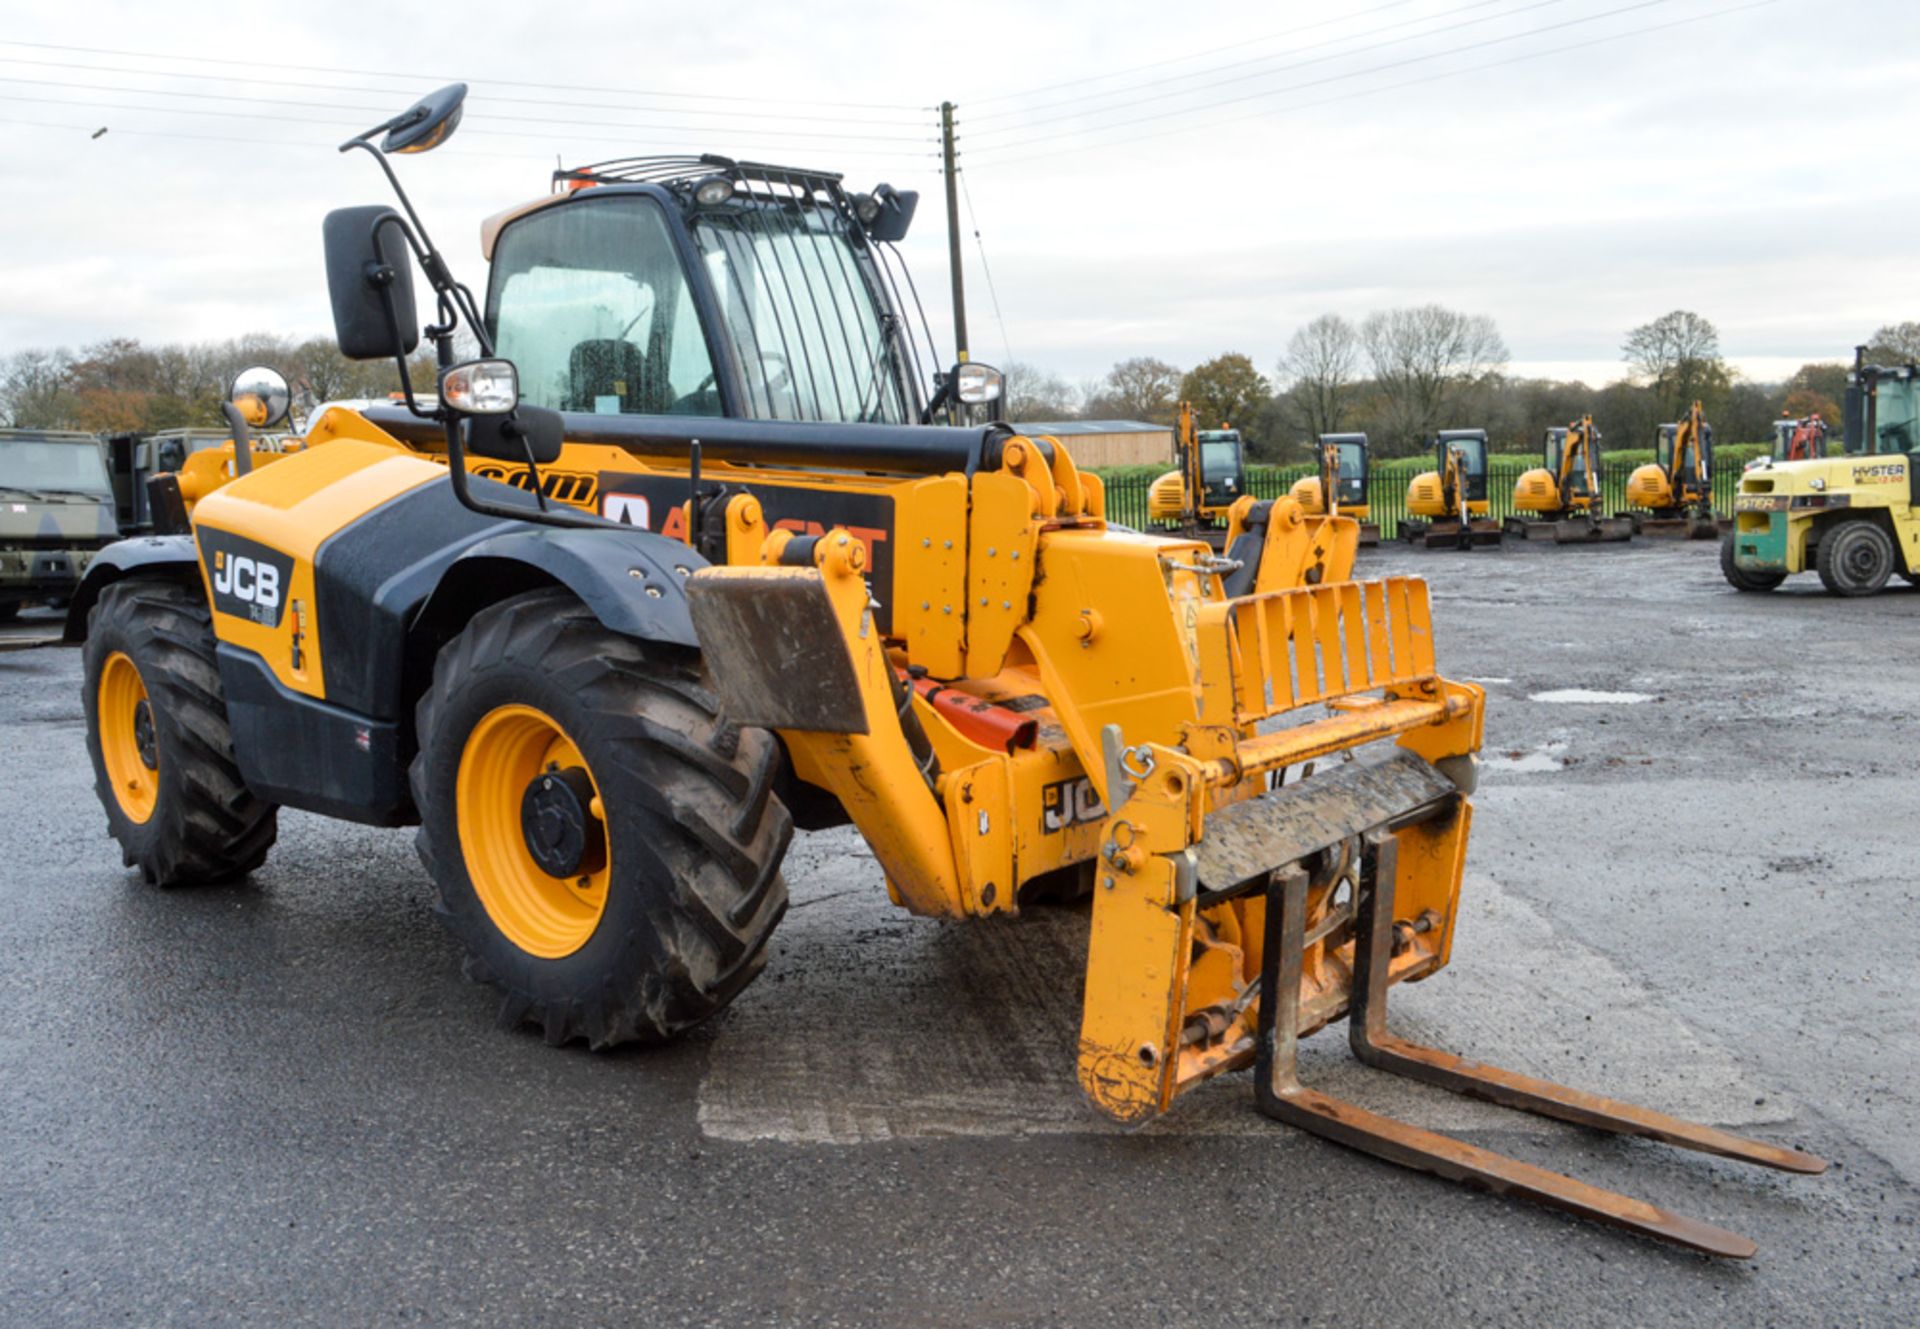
242,438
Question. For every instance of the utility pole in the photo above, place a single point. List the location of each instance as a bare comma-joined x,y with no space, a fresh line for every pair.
953,233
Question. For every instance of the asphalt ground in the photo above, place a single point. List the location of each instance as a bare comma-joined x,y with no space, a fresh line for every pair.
279,1102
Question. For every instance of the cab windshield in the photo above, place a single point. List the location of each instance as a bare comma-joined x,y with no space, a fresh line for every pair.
1220,458
44,466
589,301
799,305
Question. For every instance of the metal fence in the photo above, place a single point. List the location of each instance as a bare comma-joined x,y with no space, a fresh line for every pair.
1387,492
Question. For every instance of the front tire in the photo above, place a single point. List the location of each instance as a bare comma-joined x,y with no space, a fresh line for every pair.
1738,577
163,760
603,842
1855,558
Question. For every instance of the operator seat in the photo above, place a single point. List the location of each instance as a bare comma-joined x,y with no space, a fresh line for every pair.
607,367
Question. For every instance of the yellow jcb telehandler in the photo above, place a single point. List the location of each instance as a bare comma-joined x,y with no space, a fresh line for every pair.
1194,499
673,565
1562,500
1340,486
1672,496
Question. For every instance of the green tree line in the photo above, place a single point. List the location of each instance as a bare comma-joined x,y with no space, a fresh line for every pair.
1400,374
124,385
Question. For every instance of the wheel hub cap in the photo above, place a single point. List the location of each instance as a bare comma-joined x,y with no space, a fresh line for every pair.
557,822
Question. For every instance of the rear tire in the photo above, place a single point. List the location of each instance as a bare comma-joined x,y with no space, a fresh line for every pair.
163,760
1855,558
666,918
1739,578
9,610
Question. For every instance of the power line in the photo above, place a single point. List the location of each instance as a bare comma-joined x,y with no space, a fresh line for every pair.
335,88
115,131
487,116
1196,55
1405,83
413,75
1350,74
1196,74
993,292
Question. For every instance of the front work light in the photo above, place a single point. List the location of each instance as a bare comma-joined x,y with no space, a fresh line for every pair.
481,387
713,191
978,384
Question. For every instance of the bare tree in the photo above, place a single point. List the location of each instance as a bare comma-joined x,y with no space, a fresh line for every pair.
1678,356
1142,389
1896,343
1425,361
1035,394
1318,369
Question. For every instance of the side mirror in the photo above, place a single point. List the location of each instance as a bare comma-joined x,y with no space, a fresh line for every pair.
370,282
428,123
261,396
529,430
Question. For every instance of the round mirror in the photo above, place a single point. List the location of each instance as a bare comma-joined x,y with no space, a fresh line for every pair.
262,396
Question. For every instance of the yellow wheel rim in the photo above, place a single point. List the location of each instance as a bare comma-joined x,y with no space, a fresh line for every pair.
128,746
542,913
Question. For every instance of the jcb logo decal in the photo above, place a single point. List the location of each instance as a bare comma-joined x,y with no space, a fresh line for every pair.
1069,803
249,580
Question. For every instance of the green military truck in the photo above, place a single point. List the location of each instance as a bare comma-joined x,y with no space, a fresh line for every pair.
1855,519
56,510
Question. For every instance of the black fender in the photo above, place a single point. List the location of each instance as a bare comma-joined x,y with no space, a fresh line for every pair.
633,580
171,556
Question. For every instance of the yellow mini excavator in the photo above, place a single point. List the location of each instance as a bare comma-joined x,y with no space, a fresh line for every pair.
1340,486
1211,476
1561,501
673,564
1672,496
1448,505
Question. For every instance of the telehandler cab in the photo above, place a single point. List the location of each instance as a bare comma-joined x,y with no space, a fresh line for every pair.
1344,474
681,559
1561,501
1449,503
1673,494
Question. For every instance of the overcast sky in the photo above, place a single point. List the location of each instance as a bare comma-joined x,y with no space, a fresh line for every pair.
1148,179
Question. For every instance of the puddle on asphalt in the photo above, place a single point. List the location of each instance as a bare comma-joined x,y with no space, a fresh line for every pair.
1547,757
1582,696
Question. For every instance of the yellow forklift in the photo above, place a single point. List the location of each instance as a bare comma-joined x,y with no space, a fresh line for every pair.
1561,501
1344,473
1448,505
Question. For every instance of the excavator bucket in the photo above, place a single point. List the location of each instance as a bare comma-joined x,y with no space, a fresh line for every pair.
1677,528
1476,534
1591,530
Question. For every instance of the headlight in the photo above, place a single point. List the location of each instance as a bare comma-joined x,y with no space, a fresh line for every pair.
977,384
1817,483
481,387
